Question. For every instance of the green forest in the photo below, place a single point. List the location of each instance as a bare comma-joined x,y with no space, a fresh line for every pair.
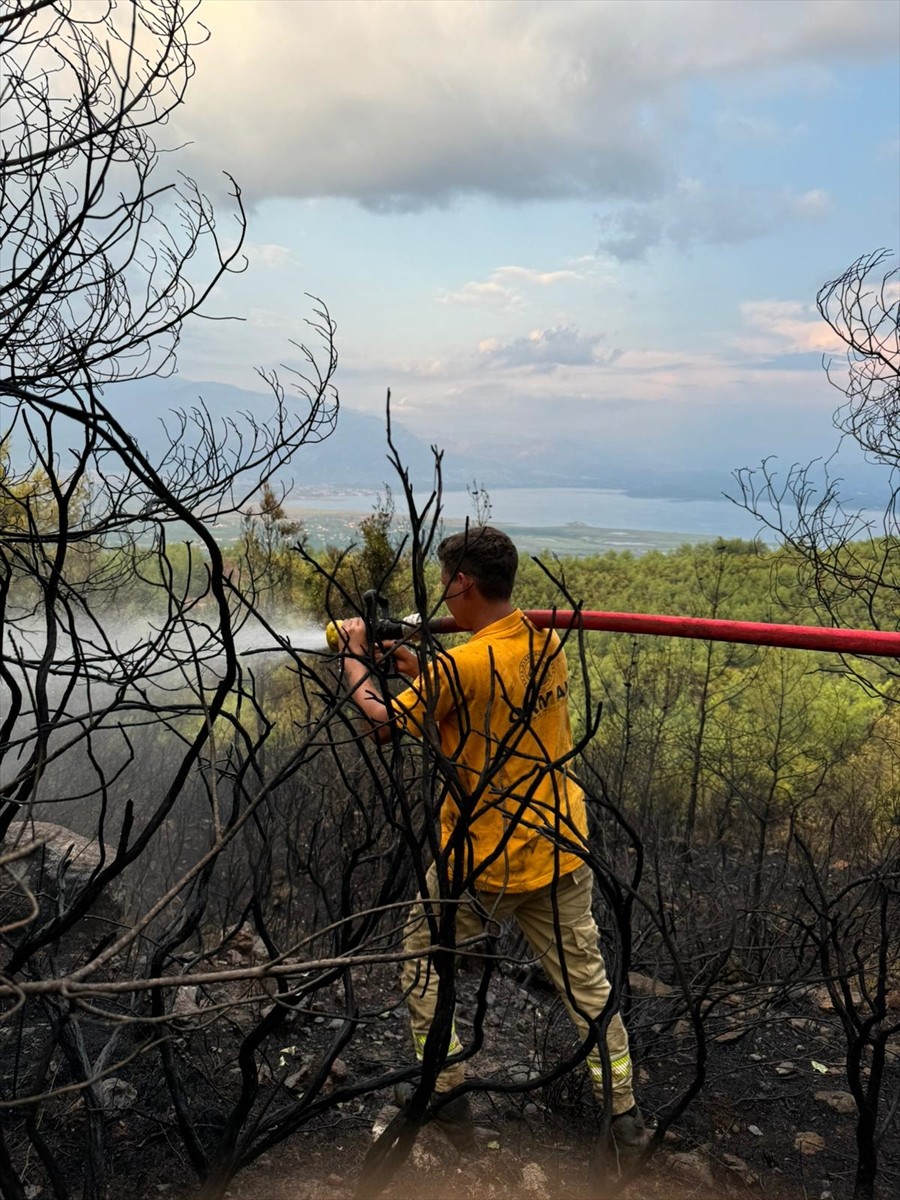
705,739
745,800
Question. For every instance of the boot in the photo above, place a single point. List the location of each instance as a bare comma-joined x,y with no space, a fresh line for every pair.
454,1118
627,1137
628,1131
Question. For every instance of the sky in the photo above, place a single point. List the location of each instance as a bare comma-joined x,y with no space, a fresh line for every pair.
552,223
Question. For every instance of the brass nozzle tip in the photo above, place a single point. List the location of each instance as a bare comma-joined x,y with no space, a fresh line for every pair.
332,635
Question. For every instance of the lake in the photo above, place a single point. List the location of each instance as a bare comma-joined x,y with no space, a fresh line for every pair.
613,514
566,521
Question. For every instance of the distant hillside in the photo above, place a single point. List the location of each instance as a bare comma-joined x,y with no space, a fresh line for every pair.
355,455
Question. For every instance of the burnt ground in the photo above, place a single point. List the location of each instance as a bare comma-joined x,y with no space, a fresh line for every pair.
767,1119
773,1117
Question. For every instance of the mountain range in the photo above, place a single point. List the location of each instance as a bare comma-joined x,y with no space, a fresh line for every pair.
355,455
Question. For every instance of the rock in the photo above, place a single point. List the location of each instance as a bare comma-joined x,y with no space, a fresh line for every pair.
294,1081
339,1070
809,1142
841,1102
242,942
522,1074
535,1181
116,1094
645,985
731,1035
786,1068
185,1002
57,872
755,1130
692,1167
63,847
737,1167
383,1118
823,1000
805,1024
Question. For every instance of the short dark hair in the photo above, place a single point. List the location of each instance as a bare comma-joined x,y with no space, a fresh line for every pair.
485,553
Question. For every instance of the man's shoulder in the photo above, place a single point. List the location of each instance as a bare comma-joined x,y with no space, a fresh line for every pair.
510,639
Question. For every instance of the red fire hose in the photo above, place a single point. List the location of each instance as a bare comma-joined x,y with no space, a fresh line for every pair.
759,633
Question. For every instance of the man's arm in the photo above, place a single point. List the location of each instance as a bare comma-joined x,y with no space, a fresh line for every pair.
361,687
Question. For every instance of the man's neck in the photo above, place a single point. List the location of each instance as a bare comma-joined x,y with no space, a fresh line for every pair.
487,612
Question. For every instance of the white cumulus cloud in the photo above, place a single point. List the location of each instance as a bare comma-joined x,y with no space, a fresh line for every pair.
488,293
269,254
777,327
546,349
410,103
505,288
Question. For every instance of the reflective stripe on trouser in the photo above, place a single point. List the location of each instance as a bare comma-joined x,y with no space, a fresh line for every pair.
620,1069
577,949
419,1039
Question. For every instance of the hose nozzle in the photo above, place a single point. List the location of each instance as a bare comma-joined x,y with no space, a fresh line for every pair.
385,629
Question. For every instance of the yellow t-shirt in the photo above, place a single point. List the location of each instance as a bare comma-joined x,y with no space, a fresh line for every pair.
498,708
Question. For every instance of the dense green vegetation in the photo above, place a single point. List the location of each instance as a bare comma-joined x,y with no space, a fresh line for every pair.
717,736
698,739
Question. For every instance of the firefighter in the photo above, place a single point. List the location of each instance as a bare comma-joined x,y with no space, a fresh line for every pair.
513,825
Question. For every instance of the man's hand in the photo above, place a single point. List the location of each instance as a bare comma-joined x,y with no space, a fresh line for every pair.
358,678
406,661
353,636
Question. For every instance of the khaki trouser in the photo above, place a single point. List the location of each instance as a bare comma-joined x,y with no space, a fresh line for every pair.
577,947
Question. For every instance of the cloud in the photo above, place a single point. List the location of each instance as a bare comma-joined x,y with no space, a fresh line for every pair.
267,318
677,407
779,327
502,289
745,127
269,254
813,203
488,294
409,103
697,214
527,275
546,349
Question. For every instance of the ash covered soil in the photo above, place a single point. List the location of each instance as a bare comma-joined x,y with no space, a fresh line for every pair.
774,1115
